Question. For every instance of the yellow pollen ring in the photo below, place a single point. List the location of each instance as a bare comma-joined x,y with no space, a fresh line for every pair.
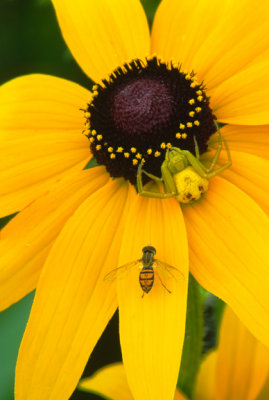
99,137
199,92
112,155
162,145
135,161
126,155
157,154
91,139
181,126
184,135
119,150
189,124
200,98
93,132
139,156
149,151
194,84
168,145
87,115
191,101
197,123
198,109
133,150
98,147
191,114
178,135
110,149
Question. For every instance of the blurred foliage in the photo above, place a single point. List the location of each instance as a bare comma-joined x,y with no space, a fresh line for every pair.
31,41
12,325
212,316
192,349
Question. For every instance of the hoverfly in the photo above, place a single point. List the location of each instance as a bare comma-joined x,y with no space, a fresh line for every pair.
149,266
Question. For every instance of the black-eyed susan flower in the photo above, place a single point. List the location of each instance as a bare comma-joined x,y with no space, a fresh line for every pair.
76,225
238,369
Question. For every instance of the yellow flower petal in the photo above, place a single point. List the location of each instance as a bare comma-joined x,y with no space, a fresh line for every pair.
205,384
242,363
103,34
215,39
247,139
181,27
73,303
152,327
236,42
109,381
238,369
40,103
27,239
218,40
40,136
229,252
249,173
243,99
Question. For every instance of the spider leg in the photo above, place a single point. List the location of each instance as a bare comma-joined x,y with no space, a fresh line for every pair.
140,171
225,166
219,148
157,195
196,164
209,172
156,179
197,153
216,156
166,179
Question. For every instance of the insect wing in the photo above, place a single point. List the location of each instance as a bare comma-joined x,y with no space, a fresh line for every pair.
121,271
167,270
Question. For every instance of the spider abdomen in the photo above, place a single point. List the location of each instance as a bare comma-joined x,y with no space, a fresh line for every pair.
190,185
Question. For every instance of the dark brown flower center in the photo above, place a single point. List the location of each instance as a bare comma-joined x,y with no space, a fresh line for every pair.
143,109
142,106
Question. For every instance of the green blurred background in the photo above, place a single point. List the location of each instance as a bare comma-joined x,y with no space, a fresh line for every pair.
31,42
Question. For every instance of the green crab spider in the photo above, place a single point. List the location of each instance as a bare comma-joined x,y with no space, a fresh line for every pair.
183,175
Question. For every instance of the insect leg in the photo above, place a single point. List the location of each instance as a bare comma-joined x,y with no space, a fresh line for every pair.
169,291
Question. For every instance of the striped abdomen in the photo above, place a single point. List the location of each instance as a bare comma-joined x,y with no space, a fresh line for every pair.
146,279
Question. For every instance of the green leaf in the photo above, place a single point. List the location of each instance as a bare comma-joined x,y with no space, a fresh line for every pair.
150,7
5,220
12,325
192,349
91,164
